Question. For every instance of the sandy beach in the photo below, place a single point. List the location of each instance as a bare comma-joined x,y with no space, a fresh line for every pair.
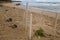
40,18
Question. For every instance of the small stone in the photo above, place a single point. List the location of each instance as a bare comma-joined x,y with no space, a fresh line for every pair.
6,10
9,20
50,35
18,4
14,26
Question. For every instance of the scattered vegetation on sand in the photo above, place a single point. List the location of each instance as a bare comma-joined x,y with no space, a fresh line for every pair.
39,32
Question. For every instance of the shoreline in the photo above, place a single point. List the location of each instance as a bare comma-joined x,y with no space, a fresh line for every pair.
45,9
13,5
49,13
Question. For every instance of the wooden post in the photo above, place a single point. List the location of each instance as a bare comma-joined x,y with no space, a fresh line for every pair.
41,18
55,27
25,16
30,31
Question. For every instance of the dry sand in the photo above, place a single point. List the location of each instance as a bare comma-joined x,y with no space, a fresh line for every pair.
7,30
41,18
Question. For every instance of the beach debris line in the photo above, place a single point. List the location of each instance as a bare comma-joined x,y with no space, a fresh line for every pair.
9,20
13,26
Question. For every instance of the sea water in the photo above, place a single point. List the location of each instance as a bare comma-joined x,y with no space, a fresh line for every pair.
49,6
